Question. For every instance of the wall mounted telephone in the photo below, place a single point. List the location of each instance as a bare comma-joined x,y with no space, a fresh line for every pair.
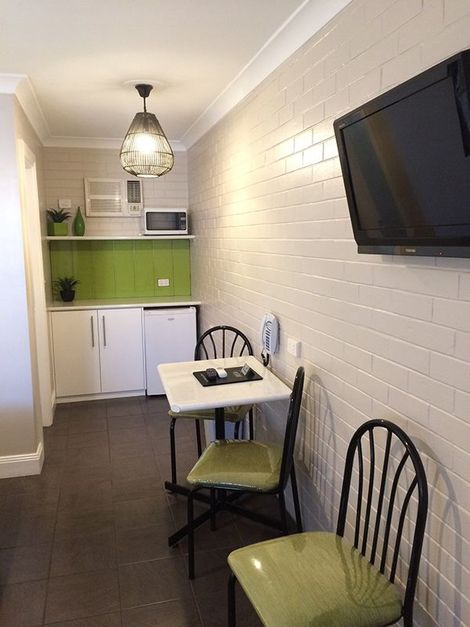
269,336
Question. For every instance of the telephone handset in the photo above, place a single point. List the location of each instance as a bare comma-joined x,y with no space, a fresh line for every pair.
269,336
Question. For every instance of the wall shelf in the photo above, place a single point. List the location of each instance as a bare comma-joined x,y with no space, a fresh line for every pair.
69,238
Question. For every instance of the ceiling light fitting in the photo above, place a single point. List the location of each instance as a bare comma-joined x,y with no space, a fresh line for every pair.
146,151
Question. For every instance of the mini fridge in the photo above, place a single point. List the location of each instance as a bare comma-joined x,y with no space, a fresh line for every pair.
170,335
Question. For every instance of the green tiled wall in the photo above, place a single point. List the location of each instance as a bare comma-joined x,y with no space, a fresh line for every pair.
123,268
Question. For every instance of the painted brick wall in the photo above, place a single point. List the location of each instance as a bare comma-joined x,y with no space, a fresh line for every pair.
381,336
65,169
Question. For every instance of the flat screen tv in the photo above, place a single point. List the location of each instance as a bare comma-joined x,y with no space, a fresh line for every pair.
405,159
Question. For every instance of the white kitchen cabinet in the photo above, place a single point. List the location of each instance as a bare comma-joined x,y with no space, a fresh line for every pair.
97,351
76,352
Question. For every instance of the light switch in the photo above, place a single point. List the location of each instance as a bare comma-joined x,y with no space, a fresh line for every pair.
163,282
293,347
65,203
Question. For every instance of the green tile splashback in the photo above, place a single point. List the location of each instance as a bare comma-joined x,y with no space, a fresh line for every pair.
123,268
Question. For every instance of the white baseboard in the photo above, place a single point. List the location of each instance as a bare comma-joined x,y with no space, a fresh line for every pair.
98,397
22,465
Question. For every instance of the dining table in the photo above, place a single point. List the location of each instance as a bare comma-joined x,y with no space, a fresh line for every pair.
185,393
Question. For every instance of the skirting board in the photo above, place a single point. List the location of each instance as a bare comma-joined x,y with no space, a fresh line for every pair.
22,465
98,397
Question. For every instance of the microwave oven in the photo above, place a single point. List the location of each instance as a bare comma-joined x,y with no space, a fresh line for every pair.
165,221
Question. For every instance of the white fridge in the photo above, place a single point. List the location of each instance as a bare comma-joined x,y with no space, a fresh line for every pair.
170,335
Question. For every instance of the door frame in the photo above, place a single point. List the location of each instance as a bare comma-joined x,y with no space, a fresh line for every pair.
35,282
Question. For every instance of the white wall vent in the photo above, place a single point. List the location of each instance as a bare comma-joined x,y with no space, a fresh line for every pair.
111,198
134,197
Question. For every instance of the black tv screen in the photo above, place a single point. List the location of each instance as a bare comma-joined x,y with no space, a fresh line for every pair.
405,158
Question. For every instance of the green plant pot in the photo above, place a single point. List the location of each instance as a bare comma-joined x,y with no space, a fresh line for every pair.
57,228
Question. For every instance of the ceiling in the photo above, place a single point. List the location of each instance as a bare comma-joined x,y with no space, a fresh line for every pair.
78,56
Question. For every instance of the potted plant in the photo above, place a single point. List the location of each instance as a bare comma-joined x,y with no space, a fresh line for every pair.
65,286
57,222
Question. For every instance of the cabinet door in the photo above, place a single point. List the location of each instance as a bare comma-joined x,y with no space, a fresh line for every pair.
76,352
122,355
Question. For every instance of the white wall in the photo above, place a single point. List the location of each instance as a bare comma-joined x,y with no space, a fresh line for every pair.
17,422
381,336
65,169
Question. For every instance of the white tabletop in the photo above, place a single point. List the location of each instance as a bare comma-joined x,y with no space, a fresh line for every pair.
185,393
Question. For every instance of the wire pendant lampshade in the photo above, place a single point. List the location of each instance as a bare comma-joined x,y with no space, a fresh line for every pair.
146,151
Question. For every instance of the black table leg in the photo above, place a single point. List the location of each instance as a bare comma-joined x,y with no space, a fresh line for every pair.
219,423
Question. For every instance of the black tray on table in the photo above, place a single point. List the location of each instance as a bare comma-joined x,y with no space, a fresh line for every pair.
234,375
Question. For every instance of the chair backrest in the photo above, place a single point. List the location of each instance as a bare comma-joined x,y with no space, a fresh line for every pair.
291,427
222,341
387,471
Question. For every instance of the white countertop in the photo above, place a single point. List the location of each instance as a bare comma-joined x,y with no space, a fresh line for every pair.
116,303
185,393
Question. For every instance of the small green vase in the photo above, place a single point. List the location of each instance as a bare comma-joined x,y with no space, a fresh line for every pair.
79,224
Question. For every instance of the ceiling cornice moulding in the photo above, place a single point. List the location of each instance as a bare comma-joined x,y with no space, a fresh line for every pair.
20,86
308,19
110,143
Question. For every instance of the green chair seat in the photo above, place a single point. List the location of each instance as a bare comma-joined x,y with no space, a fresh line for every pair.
314,579
238,464
231,414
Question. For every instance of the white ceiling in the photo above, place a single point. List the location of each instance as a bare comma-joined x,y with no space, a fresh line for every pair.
78,55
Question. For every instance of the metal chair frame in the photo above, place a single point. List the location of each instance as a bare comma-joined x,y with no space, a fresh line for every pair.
287,471
234,344
374,517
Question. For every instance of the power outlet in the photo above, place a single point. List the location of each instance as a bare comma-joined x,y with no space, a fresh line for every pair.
293,346
163,282
65,203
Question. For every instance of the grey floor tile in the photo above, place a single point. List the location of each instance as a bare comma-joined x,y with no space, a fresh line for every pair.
167,614
30,503
90,456
124,407
85,476
22,604
154,404
81,596
86,439
213,609
86,498
152,582
26,530
104,620
142,513
130,468
83,553
83,410
72,523
144,543
126,422
147,487
24,563
87,424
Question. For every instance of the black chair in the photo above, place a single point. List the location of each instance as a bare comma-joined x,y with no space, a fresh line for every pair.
248,466
217,342
320,578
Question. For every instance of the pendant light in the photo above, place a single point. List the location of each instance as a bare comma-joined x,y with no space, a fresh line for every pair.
145,151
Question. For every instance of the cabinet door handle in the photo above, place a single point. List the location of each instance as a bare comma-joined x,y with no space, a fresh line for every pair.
92,332
104,332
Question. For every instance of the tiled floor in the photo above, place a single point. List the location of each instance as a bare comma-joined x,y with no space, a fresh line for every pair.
85,543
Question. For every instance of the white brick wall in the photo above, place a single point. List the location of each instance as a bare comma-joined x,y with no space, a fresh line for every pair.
65,169
382,336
